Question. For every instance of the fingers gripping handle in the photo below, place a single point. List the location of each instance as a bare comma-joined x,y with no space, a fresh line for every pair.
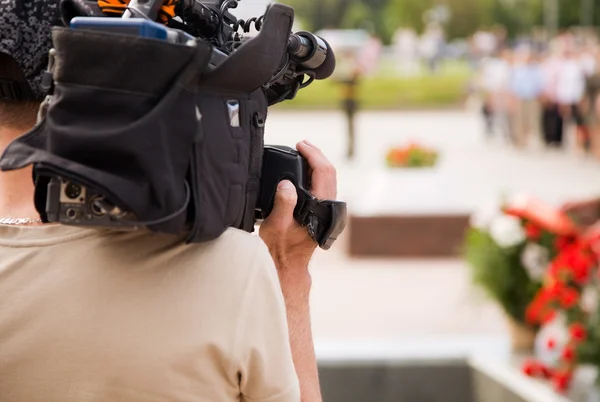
325,220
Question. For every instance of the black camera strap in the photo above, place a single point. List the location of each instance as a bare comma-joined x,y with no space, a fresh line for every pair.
325,220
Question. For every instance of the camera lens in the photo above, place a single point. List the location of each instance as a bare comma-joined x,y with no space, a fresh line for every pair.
72,190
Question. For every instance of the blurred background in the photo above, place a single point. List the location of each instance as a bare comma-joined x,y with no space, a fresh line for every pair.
466,134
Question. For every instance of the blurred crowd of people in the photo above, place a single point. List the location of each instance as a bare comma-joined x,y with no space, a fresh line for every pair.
411,49
544,91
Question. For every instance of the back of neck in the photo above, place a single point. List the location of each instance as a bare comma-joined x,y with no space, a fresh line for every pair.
16,187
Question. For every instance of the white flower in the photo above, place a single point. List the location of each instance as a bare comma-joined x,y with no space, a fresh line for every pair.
554,334
507,231
484,216
535,259
589,298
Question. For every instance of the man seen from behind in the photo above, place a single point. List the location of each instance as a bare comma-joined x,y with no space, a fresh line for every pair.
102,315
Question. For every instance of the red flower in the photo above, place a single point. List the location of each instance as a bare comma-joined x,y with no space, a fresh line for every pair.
551,343
578,332
569,298
532,368
568,354
555,290
562,381
574,262
547,371
584,261
532,314
539,310
578,260
554,269
532,231
562,242
581,274
559,270
547,316
545,216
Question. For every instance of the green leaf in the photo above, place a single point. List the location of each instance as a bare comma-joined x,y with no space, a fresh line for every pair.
500,273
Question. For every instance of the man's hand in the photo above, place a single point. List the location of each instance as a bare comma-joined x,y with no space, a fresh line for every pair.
292,248
286,239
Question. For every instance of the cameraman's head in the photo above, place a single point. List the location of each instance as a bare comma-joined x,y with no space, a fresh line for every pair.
25,40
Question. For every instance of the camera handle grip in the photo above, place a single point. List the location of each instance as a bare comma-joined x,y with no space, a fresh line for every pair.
324,220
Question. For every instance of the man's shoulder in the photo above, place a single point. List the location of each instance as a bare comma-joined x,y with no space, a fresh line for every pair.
240,257
235,246
233,258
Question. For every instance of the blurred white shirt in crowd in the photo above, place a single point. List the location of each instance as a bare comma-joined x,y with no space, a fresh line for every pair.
485,43
570,87
496,75
550,72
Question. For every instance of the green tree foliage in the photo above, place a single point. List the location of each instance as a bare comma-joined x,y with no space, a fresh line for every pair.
405,13
344,14
383,17
319,14
467,19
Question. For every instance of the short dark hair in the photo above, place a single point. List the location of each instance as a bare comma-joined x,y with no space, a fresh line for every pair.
18,115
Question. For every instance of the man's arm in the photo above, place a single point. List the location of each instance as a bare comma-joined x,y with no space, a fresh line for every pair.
295,284
291,248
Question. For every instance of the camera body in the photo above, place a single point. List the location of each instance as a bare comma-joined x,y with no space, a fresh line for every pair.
69,202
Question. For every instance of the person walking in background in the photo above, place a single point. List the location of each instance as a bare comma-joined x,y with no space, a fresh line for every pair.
500,37
525,87
432,46
406,49
484,44
370,56
589,63
552,121
570,91
539,44
593,106
496,105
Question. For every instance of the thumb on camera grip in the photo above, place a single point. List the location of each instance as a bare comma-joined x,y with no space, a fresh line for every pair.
285,201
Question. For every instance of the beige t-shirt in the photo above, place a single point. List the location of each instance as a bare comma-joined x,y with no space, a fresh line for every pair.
97,315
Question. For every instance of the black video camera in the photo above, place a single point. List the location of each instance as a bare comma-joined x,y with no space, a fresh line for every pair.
307,54
162,125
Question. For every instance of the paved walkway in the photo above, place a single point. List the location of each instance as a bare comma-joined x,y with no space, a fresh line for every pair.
395,300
